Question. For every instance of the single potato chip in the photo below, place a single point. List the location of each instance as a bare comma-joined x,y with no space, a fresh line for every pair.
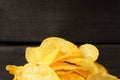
83,73
68,75
84,64
32,72
101,67
89,52
39,55
13,69
61,65
102,76
66,48
69,67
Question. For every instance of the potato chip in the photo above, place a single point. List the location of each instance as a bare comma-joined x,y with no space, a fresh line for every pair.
68,75
65,47
89,52
83,73
102,76
12,68
60,65
101,67
59,59
86,67
66,66
37,55
33,72
63,72
84,64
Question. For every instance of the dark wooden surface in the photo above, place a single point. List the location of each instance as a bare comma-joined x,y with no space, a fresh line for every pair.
76,20
26,23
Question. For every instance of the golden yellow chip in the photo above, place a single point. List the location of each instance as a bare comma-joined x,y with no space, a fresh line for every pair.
63,72
83,73
101,67
33,72
85,67
68,75
39,55
89,52
84,64
66,48
60,65
102,76
59,59
65,67
13,69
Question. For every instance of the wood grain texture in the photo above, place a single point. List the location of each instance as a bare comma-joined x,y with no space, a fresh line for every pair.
109,57
28,22
76,20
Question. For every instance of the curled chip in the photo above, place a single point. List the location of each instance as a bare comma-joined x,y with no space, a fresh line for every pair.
85,67
101,68
66,48
61,65
69,76
102,76
32,72
89,51
37,55
84,64
59,59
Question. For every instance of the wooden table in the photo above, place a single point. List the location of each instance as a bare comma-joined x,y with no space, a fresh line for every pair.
26,23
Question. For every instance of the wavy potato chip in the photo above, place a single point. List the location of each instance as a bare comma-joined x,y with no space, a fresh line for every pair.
89,52
13,69
37,55
32,72
101,67
83,73
64,67
66,48
71,67
84,64
85,67
68,75
102,76
61,65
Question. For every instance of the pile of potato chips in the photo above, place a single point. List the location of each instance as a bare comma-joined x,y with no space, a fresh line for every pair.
59,59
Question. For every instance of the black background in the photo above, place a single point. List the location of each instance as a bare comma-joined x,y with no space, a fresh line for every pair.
27,22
